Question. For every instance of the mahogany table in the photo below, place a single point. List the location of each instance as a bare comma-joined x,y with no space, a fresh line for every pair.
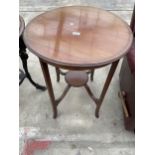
78,38
24,57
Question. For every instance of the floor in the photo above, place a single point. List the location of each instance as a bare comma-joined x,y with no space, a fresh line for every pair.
76,131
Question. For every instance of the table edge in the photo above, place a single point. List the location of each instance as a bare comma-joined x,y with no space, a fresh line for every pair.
81,66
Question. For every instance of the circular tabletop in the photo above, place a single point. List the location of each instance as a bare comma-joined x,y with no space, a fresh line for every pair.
78,37
21,25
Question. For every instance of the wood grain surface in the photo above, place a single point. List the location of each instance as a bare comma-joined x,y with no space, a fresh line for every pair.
78,37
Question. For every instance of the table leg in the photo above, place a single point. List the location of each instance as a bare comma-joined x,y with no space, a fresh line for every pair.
57,73
105,88
48,81
92,74
24,57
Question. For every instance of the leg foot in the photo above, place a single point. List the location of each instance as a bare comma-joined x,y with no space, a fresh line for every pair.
55,115
43,88
97,114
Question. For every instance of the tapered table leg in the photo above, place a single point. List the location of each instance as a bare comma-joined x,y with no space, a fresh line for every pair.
105,88
48,81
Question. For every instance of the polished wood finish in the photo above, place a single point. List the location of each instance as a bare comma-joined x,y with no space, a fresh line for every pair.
47,78
76,78
106,86
54,101
99,100
78,37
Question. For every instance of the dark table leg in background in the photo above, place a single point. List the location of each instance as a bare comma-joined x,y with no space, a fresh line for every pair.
92,74
57,73
24,57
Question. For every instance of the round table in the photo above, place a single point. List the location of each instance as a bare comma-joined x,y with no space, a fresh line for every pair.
78,38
